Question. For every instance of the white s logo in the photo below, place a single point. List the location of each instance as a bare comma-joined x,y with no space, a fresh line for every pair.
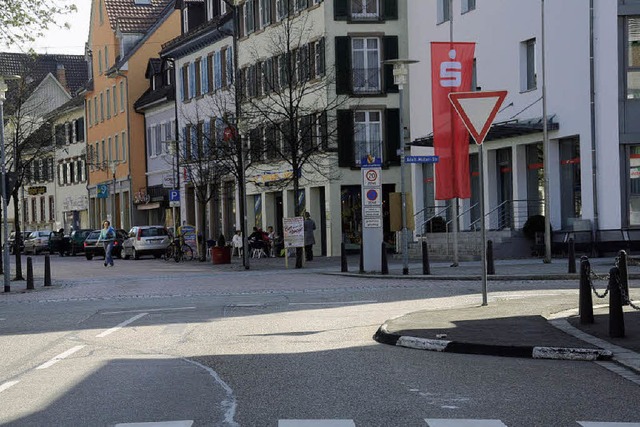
451,72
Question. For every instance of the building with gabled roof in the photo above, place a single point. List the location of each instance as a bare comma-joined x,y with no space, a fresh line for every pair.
123,35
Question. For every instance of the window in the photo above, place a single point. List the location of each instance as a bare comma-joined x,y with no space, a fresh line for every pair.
192,80
468,5
265,13
102,107
95,110
204,74
106,58
79,129
25,210
367,134
249,17
366,64
99,61
124,147
149,142
116,146
91,159
42,209
528,65
633,61
115,101
122,96
108,103
98,154
34,210
110,153
197,77
72,175
444,11
364,9
79,171
89,116
158,139
217,70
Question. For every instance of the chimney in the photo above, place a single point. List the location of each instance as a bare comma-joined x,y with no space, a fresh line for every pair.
61,75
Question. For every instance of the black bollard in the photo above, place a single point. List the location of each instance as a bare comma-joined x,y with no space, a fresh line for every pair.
571,255
47,271
30,274
616,317
585,307
426,269
624,276
385,264
344,267
491,268
361,258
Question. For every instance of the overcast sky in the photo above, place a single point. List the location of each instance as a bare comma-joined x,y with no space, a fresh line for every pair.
71,41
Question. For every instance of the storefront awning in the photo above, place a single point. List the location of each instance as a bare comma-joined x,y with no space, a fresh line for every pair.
503,130
148,206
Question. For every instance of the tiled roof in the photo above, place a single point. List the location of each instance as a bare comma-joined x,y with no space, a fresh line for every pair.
134,18
37,67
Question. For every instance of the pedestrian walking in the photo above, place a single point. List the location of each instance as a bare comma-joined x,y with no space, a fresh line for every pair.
309,239
107,237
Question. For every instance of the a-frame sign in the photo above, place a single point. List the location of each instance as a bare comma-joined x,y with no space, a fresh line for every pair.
478,110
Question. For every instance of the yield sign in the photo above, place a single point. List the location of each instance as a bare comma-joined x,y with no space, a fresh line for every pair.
478,110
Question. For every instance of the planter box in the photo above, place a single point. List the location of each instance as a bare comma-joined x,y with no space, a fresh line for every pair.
221,255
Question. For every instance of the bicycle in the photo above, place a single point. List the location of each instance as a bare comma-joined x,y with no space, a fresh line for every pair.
178,251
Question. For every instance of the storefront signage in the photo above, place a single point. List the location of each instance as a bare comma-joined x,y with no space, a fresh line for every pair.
34,191
271,177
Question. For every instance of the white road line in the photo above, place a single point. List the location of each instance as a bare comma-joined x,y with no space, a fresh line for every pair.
185,423
334,303
316,423
120,326
148,311
463,423
6,385
60,357
606,424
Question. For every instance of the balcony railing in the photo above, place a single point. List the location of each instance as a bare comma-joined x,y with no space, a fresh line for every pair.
366,80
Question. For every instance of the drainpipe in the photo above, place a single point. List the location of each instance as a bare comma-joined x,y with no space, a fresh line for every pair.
592,95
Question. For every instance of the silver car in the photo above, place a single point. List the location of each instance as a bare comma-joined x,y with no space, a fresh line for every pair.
146,240
38,241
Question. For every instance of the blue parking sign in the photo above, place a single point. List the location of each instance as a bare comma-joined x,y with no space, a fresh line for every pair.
174,195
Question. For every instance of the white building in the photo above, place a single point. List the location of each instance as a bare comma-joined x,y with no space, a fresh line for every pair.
591,105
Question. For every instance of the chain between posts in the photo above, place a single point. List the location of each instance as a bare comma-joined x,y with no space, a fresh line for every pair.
593,275
625,298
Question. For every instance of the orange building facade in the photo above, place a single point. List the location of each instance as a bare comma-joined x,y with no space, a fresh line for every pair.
123,35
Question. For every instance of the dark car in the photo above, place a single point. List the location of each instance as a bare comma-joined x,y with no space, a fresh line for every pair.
59,243
76,240
12,241
94,248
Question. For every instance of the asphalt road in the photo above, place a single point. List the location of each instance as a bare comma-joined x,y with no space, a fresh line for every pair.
149,341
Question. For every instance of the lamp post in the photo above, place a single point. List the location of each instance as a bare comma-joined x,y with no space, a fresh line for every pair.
400,78
5,190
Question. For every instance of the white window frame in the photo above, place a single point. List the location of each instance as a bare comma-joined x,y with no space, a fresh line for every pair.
364,134
367,67
364,12
528,65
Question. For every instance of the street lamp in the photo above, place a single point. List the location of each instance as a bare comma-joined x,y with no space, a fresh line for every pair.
401,78
5,190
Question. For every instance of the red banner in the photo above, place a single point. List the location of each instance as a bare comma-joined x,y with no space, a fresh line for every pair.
451,71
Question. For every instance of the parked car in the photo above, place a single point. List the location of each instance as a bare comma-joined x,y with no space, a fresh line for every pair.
12,241
59,243
94,248
146,240
38,241
76,240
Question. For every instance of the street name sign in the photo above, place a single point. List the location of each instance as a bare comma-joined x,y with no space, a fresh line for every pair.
422,159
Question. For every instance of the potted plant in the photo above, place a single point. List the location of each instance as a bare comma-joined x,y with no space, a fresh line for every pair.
221,253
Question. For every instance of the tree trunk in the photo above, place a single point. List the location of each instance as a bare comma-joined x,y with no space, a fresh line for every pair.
16,227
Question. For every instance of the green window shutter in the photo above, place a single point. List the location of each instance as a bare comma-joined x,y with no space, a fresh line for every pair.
341,10
392,137
343,65
345,139
390,10
390,46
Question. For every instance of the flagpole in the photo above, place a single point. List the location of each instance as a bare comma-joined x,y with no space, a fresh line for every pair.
454,205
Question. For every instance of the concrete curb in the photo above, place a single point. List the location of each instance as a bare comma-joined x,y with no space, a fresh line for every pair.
383,336
493,277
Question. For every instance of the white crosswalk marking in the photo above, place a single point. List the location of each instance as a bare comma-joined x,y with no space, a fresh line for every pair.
316,423
606,424
185,423
433,422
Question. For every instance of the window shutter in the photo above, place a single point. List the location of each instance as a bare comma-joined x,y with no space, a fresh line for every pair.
345,139
390,52
392,137
80,129
340,10
390,10
343,65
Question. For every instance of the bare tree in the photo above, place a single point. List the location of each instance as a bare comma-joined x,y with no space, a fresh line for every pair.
288,105
29,147
26,20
